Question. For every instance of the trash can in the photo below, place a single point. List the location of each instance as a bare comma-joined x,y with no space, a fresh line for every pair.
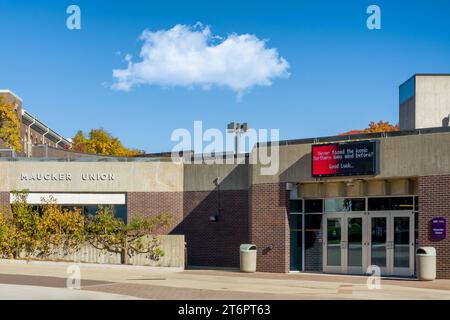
248,257
426,263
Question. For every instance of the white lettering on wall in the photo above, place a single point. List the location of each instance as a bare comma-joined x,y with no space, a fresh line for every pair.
45,176
61,176
97,176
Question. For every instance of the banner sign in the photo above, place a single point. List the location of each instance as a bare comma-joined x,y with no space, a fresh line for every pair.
438,228
345,159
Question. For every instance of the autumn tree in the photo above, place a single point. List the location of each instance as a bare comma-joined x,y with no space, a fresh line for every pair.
9,126
106,232
381,126
79,141
25,231
99,141
59,229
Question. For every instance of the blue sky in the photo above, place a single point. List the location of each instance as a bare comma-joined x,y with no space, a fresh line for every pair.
342,75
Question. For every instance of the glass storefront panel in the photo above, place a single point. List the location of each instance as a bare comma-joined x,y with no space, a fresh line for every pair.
295,224
295,206
120,211
314,206
379,238
355,244
333,242
402,203
390,203
401,242
345,205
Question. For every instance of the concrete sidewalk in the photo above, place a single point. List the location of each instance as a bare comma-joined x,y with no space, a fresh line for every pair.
165,283
20,292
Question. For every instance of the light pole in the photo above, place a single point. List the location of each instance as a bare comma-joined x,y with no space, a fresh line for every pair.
237,128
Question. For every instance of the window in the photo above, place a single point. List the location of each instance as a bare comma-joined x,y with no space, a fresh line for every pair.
314,206
407,90
295,206
313,222
296,257
120,211
391,203
345,204
402,203
295,222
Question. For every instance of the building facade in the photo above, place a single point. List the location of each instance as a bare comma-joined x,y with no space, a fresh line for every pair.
335,205
33,132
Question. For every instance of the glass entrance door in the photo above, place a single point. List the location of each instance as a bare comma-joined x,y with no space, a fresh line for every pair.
344,241
355,237
392,242
353,241
333,244
402,248
378,244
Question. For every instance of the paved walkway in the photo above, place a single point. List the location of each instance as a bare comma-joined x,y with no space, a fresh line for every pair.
26,292
167,283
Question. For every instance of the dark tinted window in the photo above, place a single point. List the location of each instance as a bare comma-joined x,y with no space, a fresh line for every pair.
393,203
313,222
295,206
402,203
295,221
313,206
90,210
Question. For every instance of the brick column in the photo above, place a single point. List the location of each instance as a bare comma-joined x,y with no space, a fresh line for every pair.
269,226
434,201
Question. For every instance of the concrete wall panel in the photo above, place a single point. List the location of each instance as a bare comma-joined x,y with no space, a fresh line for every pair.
68,176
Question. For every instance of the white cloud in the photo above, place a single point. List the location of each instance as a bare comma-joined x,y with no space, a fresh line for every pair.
192,56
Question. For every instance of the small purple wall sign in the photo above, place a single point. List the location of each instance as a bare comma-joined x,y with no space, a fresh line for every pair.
438,228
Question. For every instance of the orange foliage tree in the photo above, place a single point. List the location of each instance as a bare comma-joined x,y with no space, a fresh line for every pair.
381,126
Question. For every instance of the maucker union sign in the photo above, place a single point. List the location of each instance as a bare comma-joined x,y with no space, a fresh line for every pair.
345,159
62,176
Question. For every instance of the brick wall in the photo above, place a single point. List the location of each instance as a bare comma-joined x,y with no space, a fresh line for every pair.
434,201
154,203
269,226
214,244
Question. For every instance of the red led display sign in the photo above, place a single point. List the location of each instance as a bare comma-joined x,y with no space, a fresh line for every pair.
345,159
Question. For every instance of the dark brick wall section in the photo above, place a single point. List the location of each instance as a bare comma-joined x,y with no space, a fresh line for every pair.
154,203
214,244
434,201
270,226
